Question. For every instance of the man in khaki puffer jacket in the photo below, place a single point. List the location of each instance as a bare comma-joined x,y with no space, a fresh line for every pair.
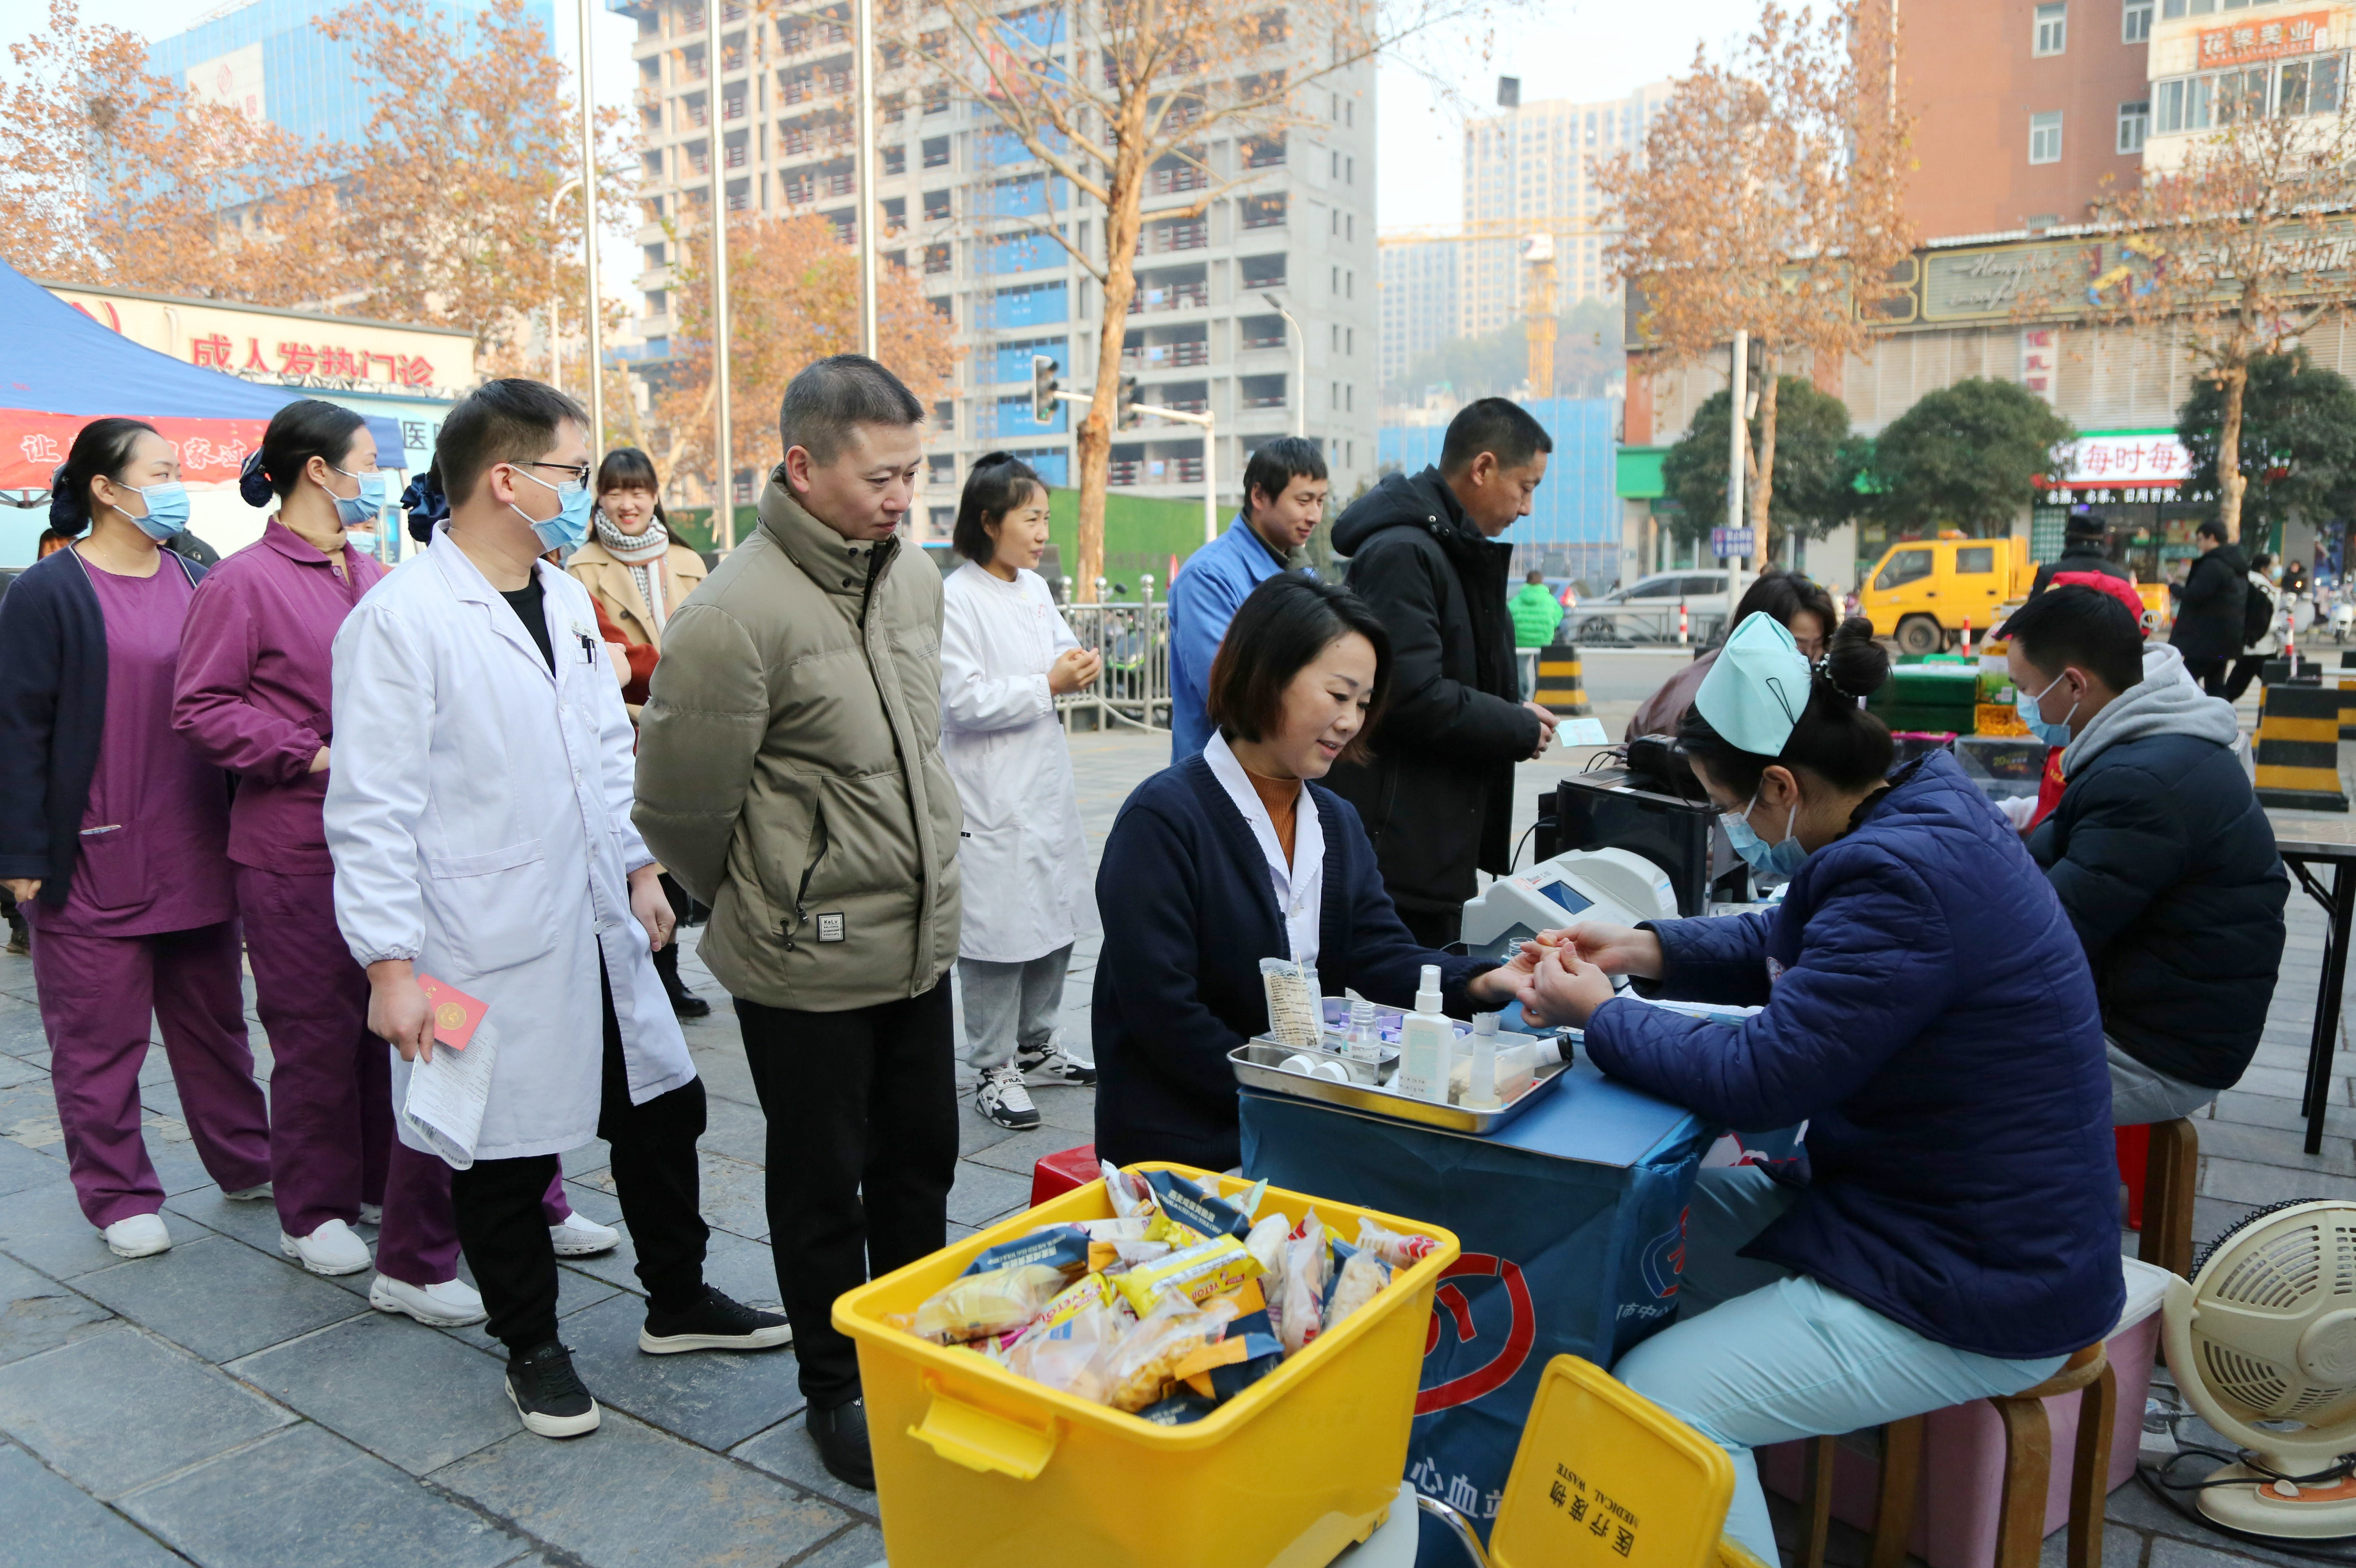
791,776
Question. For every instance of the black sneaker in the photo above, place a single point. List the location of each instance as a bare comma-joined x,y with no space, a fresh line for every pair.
686,1004
715,1323
1052,1067
840,1435
1001,1097
549,1394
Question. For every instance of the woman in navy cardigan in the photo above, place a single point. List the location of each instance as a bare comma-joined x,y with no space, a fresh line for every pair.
1953,1231
1214,865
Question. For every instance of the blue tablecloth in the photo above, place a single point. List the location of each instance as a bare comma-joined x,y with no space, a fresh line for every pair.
1572,1220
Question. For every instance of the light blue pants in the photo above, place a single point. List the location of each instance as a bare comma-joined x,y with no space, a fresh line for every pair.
1762,1355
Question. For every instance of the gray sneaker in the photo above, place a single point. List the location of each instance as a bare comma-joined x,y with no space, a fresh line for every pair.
1004,1100
1053,1067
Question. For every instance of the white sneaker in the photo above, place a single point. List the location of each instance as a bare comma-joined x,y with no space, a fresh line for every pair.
371,1213
1002,1098
330,1248
1054,1065
449,1305
247,1194
140,1236
580,1237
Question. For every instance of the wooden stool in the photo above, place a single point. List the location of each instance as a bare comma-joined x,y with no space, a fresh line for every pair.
2170,1172
2028,1464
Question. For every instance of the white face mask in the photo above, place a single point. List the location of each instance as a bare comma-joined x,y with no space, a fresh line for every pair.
361,539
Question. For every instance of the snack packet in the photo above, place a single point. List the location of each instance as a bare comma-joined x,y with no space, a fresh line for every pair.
1359,1279
976,1305
1113,1257
1178,1410
1131,1197
1064,1247
1072,1355
1197,1274
1294,1016
1088,1290
1141,1364
1265,1243
1177,1232
1131,1229
1303,1313
1222,1370
1183,1201
1397,1251
1251,1309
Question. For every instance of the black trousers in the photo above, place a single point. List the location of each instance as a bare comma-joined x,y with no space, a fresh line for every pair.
505,1238
2246,670
863,1148
2209,673
1433,927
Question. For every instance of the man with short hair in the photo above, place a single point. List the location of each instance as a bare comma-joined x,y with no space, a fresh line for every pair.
2207,630
1437,798
791,776
479,817
1284,499
2158,849
2082,550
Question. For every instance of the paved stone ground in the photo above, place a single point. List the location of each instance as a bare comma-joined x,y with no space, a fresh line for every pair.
216,1405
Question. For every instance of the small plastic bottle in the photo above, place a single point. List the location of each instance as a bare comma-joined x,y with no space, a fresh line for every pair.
1481,1085
1425,1039
1366,1039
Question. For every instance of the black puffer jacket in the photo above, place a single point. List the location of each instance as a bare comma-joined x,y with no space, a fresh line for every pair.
2079,555
2167,869
1437,799
2209,609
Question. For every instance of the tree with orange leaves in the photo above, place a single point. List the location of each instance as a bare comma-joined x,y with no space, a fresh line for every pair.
1769,197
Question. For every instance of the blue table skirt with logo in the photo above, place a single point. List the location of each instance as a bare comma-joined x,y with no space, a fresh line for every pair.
1572,1220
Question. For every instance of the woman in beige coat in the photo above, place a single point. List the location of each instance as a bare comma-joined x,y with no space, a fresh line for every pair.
639,576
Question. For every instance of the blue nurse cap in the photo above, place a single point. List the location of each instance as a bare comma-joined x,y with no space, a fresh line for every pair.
1757,687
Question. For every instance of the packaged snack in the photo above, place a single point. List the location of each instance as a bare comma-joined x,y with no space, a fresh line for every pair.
1250,1300
1178,1410
1265,1243
1303,1313
1072,1356
1392,1248
978,1306
1226,1367
1355,1285
1088,1290
1141,1364
1130,1229
1180,1200
1131,1197
1295,1019
1112,1257
1177,1232
1197,1274
1064,1247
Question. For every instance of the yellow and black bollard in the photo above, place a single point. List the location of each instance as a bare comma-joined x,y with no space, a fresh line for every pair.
2346,680
2299,747
1559,685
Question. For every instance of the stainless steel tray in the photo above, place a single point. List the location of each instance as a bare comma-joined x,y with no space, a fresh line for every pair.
1255,1067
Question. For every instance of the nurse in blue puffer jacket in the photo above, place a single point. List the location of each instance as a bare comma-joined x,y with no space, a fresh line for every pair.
1952,1230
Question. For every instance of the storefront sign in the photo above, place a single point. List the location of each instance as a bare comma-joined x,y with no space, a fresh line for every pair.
2134,460
286,349
2253,40
2039,362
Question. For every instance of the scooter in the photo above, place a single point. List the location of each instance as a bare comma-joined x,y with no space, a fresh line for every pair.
2343,620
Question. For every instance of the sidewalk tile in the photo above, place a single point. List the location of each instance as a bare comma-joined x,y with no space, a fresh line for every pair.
118,1408
2240,1181
2266,1146
2285,1084
982,1195
1017,1155
629,1497
785,1450
305,1499
396,1388
15,1072
737,1130
218,1297
714,1398
859,1548
20,1029
38,1314
22,1167
977,1132
44,1226
2266,1111
744,1269
53,1522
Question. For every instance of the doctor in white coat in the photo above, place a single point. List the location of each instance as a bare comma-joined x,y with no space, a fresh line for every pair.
1006,654
479,818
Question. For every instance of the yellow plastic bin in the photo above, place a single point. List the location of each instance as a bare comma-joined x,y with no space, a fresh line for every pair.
975,1467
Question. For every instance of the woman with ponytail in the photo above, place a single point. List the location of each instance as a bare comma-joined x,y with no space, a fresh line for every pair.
113,838
1951,1230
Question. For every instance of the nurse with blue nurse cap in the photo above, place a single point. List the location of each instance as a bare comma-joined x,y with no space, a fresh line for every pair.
1925,1016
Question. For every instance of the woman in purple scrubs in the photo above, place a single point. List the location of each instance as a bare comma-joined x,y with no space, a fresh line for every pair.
113,837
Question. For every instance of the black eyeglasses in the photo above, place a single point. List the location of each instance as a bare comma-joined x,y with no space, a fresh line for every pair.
580,471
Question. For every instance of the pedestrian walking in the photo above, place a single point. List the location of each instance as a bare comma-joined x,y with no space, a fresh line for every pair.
1537,612
114,838
1006,656
1437,795
790,775
2264,607
478,813
639,576
2207,630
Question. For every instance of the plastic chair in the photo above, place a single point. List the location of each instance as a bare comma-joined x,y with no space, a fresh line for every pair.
1601,1470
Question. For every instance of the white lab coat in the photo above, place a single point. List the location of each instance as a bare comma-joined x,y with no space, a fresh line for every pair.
478,812
1022,860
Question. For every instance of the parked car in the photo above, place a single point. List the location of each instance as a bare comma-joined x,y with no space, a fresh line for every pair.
1646,610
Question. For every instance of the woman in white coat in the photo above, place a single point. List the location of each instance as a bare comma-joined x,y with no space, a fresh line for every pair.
1006,656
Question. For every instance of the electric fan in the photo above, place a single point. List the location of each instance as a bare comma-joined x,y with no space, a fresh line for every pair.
2263,1343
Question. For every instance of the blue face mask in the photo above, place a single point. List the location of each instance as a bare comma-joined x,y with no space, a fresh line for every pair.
570,527
1780,861
353,510
168,509
2030,715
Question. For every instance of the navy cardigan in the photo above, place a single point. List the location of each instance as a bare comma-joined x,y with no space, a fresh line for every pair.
1929,1015
53,713
1188,915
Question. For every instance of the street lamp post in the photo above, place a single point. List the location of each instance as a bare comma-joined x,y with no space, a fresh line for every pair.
1299,366
1210,464
555,361
868,210
596,311
1737,433
723,503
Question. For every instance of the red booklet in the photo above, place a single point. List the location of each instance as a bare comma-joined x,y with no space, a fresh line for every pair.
456,1014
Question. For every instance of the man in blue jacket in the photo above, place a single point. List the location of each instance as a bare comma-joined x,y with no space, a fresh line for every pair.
1284,498
2160,853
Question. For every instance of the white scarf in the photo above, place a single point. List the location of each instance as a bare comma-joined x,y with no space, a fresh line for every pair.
643,554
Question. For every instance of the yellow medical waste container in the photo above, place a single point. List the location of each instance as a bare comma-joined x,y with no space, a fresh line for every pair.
975,1467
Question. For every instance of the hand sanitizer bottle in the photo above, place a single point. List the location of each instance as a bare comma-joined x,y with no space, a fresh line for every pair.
1481,1087
1365,1040
1425,1039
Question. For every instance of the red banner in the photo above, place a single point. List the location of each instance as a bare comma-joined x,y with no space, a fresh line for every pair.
2263,41
32,445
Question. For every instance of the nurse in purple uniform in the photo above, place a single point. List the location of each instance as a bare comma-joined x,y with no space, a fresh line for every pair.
113,837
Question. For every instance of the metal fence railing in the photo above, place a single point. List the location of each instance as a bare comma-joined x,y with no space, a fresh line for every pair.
1651,621
1134,640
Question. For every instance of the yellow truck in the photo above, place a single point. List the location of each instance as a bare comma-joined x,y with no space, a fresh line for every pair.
1922,592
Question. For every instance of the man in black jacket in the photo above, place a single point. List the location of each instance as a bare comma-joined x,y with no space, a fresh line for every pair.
1437,798
2207,630
2158,849
2082,550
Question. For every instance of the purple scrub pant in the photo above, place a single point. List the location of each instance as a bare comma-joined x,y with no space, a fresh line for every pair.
98,994
332,1144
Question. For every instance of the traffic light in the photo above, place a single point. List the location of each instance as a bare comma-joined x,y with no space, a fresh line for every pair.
1043,388
1124,408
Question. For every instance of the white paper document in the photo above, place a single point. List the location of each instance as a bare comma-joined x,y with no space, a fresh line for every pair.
1581,732
446,1095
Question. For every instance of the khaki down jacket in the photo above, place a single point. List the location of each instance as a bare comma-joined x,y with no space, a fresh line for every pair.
790,770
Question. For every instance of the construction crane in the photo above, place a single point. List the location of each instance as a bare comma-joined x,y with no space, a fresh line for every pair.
1537,235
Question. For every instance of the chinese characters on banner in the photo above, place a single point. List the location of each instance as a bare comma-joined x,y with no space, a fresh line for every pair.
2040,359
2246,41
2156,459
211,452
216,351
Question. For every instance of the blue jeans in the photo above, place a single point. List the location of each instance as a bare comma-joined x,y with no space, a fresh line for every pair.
1762,1355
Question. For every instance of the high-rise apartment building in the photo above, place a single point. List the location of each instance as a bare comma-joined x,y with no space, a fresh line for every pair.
1528,168
960,202
1419,304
